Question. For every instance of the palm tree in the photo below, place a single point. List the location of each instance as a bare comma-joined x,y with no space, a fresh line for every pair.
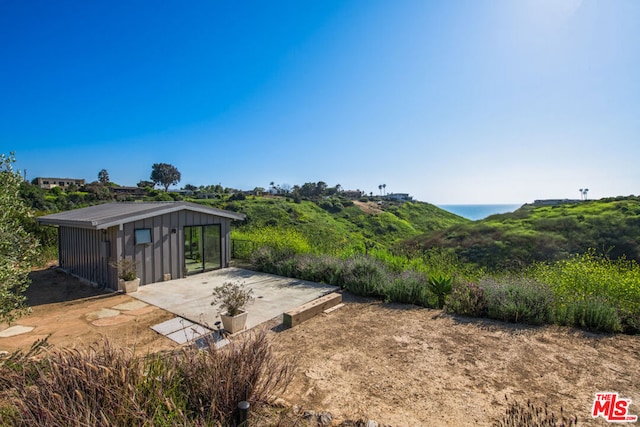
384,186
583,193
380,188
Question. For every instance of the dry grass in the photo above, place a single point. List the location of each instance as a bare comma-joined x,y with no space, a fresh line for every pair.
105,385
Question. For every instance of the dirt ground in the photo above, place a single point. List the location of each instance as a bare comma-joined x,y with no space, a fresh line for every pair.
408,366
368,207
396,364
66,310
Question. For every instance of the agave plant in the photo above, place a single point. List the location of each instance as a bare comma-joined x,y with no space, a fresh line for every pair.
441,286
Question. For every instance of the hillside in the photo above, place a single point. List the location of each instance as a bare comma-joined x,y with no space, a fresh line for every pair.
336,223
540,233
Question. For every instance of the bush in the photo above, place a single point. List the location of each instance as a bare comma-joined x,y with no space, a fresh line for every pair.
319,268
592,315
467,299
363,275
586,283
518,299
269,259
410,287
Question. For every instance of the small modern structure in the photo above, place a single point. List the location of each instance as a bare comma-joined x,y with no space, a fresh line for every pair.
167,240
399,197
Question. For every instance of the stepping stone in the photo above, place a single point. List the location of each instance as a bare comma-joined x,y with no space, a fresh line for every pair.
15,330
172,325
188,334
103,312
131,305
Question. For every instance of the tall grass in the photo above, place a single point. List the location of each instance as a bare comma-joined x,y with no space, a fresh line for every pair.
105,385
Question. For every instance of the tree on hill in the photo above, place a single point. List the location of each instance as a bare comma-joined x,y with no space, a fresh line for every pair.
103,177
33,195
165,175
18,248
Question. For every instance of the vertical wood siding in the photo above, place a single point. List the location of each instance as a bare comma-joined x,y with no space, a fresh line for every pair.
82,254
165,254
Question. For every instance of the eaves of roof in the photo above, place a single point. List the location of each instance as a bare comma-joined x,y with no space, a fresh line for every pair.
100,217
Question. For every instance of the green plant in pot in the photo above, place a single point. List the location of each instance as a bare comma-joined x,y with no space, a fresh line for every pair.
232,298
128,279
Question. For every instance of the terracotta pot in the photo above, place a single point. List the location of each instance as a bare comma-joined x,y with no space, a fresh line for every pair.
233,324
130,285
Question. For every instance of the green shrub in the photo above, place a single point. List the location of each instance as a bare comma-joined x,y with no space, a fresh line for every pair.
467,299
410,287
518,299
583,280
269,259
593,315
363,275
319,268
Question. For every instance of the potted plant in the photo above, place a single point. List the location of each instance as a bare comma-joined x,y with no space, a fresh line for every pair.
128,279
232,298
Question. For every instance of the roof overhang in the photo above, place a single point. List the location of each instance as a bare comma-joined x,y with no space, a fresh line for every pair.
100,217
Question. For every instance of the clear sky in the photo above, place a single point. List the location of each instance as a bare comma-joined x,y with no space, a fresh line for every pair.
452,101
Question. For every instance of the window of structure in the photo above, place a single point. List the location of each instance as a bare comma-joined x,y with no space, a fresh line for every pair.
143,236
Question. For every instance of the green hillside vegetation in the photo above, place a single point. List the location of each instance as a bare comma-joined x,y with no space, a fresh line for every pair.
542,233
335,224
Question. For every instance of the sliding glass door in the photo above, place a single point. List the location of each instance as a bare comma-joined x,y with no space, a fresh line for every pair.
202,248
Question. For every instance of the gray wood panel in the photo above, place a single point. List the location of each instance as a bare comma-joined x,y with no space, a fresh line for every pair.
82,254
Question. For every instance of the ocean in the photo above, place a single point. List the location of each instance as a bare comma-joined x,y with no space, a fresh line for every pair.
476,212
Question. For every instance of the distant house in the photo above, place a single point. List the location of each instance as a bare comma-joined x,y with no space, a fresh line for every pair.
399,197
352,194
167,240
49,183
128,191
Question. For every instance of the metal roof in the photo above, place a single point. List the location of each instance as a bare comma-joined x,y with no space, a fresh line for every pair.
107,215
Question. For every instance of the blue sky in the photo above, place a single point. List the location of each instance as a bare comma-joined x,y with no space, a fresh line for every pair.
477,101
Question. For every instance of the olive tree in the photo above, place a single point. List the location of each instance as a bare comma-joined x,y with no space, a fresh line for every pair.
18,249
165,175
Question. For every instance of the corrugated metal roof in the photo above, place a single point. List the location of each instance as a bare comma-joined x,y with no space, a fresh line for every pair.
99,217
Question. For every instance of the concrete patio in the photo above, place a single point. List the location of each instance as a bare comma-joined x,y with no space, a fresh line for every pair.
190,298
